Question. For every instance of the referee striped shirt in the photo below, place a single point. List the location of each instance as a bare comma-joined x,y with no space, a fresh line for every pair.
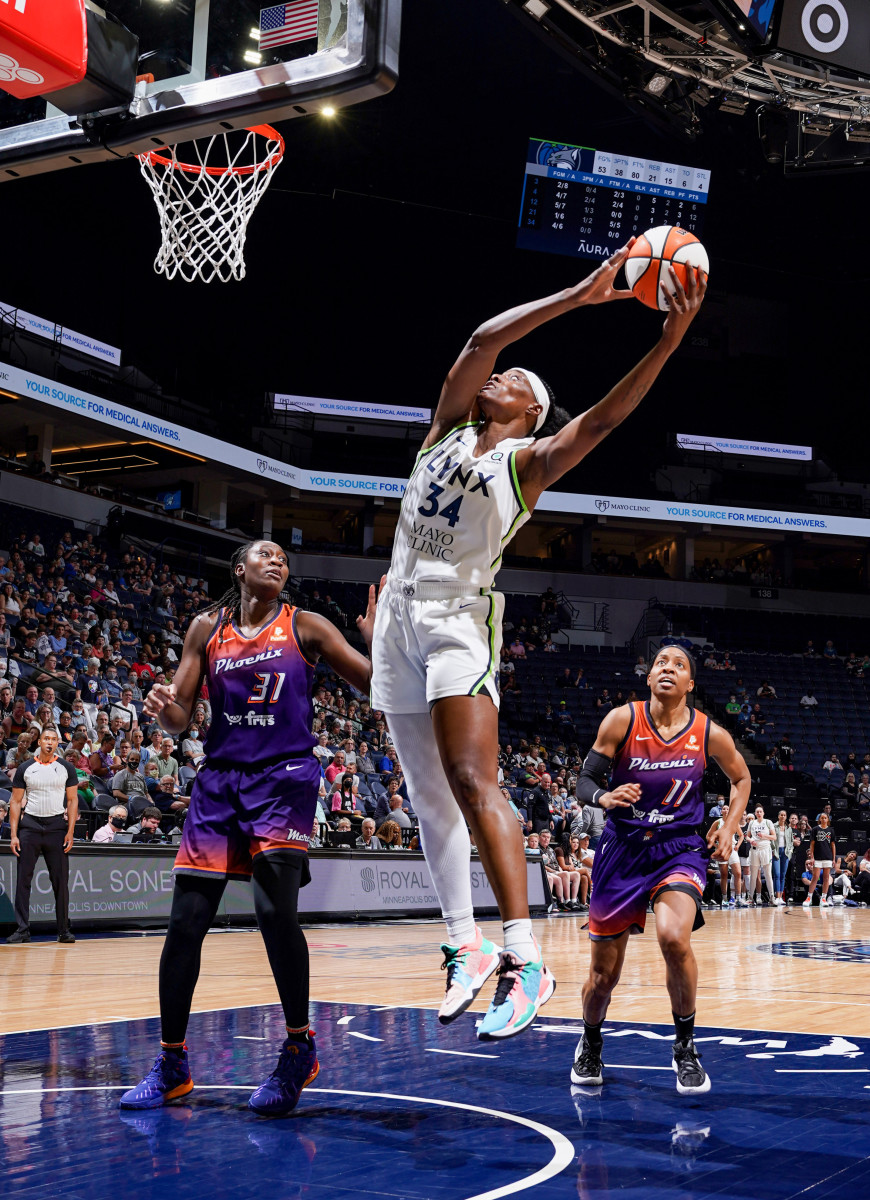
45,785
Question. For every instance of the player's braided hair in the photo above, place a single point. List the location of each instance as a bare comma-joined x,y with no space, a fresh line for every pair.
557,417
231,600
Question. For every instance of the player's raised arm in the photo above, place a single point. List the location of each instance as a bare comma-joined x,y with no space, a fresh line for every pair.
475,364
320,638
542,464
722,749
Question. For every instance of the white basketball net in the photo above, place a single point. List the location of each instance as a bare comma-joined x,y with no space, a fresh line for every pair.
204,206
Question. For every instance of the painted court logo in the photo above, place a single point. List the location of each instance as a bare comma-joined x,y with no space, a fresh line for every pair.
834,951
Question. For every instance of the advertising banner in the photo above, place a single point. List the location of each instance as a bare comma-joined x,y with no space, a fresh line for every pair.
119,418
58,333
128,884
350,409
745,448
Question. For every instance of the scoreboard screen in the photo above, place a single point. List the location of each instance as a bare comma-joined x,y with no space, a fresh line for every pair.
587,203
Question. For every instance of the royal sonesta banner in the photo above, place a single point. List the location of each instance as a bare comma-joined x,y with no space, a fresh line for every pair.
119,418
135,884
746,447
351,409
59,333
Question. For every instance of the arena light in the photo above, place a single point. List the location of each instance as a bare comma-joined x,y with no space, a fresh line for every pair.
819,126
858,131
171,449
657,84
536,8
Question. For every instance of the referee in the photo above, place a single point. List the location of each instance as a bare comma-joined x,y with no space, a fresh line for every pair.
46,786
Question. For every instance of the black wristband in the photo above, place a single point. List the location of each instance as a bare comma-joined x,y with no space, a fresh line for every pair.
593,776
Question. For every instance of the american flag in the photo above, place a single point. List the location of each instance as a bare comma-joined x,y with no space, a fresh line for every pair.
285,23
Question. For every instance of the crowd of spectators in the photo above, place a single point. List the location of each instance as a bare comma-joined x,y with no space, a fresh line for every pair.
84,634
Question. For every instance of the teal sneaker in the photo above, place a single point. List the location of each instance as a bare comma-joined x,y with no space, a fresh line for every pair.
523,987
468,968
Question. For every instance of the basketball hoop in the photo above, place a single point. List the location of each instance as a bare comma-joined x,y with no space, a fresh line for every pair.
204,207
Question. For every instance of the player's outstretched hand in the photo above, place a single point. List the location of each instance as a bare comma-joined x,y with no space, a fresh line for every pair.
684,304
622,797
366,624
160,697
598,288
721,842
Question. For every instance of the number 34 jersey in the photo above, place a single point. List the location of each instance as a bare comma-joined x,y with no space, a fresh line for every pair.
260,693
459,511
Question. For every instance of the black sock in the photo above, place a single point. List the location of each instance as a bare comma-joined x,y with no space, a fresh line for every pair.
685,1027
593,1034
276,892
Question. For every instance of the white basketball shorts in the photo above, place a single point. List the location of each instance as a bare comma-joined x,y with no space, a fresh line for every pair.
760,856
424,650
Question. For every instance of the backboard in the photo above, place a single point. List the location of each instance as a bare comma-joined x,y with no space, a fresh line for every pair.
214,65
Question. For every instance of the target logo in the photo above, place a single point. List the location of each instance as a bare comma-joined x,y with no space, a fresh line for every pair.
825,25
11,71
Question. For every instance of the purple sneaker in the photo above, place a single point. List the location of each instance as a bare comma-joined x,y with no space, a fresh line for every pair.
169,1079
297,1067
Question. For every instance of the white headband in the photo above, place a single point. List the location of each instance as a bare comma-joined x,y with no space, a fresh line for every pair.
541,395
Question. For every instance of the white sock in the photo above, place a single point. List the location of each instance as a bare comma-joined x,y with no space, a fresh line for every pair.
461,931
519,940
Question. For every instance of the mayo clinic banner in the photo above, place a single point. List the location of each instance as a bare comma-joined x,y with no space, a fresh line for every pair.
348,408
58,333
701,514
121,419
131,884
746,447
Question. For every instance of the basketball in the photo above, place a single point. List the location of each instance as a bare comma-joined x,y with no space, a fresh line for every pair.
646,267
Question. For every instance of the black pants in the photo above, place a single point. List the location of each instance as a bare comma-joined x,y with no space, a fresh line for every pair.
42,835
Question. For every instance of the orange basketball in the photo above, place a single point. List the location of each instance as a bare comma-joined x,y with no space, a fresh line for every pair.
646,267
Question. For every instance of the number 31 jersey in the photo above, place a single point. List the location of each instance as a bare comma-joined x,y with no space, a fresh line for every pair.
260,692
459,511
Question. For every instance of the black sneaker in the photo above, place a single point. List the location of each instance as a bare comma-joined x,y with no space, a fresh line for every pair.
691,1076
588,1069
20,935
67,938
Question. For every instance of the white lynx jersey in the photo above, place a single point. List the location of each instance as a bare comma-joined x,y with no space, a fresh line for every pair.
459,511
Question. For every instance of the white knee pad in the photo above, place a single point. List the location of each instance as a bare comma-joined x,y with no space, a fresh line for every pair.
446,843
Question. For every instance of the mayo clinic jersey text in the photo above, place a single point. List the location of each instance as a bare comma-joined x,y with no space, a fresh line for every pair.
260,693
459,511
670,774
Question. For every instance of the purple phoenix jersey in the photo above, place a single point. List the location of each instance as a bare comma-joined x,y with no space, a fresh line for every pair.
670,774
260,693
653,844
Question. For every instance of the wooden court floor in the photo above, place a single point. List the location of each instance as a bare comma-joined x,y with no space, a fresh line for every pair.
821,983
